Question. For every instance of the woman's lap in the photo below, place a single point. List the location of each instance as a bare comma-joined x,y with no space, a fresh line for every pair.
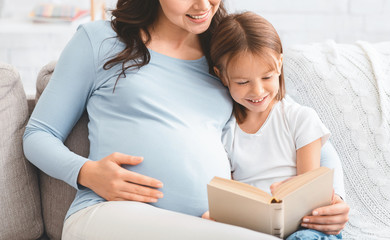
134,220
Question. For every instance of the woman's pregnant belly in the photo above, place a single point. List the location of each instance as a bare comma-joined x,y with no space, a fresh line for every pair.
185,160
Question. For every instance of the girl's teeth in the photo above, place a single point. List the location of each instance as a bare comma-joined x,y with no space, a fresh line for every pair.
197,17
256,101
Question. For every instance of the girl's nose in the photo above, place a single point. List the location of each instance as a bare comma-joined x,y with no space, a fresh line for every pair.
258,89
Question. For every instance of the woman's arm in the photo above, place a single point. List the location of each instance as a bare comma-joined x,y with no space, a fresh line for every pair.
330,159
57,111
60,106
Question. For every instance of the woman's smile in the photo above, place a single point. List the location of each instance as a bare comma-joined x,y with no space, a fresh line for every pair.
199,18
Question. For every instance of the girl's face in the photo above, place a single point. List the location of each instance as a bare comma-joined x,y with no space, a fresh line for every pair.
253,81
193,16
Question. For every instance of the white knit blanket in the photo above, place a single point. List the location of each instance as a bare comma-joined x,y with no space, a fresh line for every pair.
349,86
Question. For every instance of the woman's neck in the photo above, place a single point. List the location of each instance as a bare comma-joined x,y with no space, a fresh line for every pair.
173,41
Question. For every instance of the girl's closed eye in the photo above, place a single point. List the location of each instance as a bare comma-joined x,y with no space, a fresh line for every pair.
241,81
270,75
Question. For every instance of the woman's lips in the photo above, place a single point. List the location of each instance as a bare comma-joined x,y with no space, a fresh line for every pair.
199,18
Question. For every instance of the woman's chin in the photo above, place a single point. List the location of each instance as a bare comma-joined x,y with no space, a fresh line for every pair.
199,29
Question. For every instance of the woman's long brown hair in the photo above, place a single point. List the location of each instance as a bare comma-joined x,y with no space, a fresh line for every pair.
130,18
244,33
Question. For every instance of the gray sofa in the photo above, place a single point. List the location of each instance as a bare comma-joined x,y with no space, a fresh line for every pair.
348,85
33,205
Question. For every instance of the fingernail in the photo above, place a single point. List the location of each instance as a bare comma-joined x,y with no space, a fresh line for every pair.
159,185
304,225
154,200
315,213
306,220
160,195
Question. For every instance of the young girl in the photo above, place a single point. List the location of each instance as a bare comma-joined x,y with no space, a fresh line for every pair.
269,138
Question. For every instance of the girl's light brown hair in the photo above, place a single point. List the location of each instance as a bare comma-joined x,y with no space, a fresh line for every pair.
245,33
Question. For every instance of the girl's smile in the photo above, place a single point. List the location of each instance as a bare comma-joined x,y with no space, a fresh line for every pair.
257,101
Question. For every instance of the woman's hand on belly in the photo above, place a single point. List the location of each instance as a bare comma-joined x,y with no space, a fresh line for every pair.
111,181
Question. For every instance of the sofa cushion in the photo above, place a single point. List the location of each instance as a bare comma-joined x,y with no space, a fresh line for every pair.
20,209
57,195
349,86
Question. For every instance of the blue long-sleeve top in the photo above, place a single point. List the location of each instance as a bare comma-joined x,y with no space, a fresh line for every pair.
170,111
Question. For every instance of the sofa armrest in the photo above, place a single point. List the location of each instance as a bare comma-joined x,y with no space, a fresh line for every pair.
20,209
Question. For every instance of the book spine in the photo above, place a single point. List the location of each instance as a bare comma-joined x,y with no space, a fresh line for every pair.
278,220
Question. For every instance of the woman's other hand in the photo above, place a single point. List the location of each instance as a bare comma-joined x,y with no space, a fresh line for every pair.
111,181
329,219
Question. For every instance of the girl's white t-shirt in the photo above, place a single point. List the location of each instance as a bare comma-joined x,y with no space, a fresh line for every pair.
269,155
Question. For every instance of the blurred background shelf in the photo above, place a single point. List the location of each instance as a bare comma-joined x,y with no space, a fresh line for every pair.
29,46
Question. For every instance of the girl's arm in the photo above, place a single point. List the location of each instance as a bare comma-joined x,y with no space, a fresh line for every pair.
330,219
308,157
330,159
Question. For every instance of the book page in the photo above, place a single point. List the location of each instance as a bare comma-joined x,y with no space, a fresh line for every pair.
240,188
296,182
315,193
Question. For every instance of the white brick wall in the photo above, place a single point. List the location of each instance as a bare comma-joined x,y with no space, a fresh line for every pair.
304,21
366,6
290,6
298,21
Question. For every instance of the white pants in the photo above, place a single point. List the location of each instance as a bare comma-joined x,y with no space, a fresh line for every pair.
140,221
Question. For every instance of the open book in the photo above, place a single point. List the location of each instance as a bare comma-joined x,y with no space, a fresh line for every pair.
280,215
